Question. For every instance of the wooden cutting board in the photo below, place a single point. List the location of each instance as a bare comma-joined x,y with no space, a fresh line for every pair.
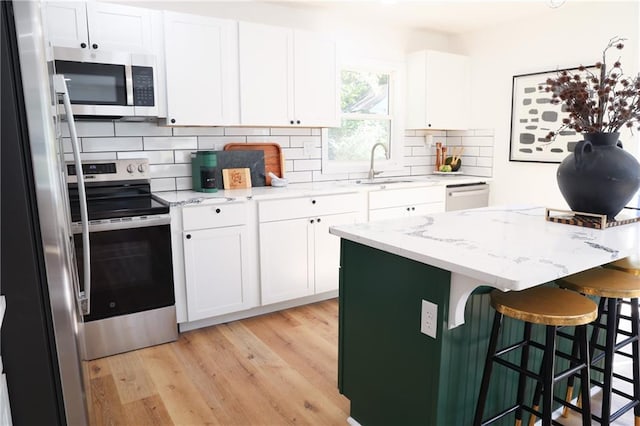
273,158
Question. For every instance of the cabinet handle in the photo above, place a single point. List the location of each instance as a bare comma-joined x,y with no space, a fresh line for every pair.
297,121
291,122
429,125
313,201
218,210
95,46
408,208
188,236
83,45
173,120
413,208
318,220
311,221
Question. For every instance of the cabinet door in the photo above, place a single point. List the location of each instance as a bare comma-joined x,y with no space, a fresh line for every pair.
447,91
420,209
114,27
216,262
285,247
266,75
66,24
315,80
327,251
201,70
389,213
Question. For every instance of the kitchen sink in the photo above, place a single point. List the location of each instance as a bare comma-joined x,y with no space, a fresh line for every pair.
382,181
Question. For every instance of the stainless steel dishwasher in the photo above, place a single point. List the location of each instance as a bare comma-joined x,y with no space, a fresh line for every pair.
467,196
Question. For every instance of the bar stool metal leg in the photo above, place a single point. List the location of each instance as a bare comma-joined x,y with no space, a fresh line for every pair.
612,321
635,326
547,375
585,376
524,362
488,366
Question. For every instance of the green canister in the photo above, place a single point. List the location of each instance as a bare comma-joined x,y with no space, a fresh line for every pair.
203,171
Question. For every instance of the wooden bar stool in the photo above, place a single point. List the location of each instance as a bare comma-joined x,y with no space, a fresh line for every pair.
612,286
553,308
630,265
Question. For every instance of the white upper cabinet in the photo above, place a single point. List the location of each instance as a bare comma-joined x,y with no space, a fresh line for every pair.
438,91
287,77
99,26
201,55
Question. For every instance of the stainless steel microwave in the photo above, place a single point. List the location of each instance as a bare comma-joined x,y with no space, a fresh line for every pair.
108,83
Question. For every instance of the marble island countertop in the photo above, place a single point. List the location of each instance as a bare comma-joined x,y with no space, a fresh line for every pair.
175,198
510,248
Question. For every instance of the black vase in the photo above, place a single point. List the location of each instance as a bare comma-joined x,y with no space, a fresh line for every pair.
599,176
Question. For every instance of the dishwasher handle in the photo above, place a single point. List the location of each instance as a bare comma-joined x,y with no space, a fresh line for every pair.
471,192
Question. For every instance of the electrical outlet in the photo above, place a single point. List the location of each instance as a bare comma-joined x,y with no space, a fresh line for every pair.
429,141
429,318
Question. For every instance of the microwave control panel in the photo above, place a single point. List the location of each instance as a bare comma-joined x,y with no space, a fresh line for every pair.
142,86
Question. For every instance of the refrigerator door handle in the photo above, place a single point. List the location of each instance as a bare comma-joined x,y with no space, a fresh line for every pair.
84,297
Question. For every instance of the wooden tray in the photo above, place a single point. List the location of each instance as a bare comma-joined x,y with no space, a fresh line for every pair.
592,220
273,158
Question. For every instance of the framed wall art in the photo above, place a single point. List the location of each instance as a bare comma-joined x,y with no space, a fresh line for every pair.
533,116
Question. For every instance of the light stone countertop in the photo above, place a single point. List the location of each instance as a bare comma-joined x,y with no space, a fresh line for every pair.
510,248
177,198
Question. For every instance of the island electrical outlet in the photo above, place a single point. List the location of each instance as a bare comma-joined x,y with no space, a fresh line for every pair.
429,318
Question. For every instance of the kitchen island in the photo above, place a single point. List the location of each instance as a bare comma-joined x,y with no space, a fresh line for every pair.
445,265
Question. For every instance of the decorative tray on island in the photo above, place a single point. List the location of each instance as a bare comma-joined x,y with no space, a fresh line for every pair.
592,220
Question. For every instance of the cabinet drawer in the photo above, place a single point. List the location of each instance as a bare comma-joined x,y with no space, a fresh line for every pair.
404,196
214,216
293,208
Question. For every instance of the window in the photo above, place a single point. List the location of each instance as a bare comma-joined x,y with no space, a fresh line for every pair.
368,112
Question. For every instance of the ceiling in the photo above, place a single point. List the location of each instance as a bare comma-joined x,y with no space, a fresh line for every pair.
451,17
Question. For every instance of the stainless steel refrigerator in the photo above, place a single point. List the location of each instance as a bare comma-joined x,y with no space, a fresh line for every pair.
40,335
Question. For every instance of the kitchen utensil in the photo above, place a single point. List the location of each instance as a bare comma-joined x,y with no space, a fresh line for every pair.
273,158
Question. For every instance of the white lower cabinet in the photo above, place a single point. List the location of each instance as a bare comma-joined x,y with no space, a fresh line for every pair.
298,256
404,202
218,261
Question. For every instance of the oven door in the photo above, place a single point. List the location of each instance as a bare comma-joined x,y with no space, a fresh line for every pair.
131,268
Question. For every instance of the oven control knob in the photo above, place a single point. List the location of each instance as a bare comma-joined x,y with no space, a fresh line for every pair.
142,168
131,168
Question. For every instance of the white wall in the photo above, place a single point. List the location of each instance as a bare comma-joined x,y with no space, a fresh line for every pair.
574,34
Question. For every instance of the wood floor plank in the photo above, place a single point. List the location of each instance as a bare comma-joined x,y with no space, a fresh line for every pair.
107,408
147,411
130,377
180,397
276,369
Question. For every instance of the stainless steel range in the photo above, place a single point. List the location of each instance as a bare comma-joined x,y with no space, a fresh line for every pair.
131,301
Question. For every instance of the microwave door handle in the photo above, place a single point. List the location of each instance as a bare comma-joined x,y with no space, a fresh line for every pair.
84,297
128,77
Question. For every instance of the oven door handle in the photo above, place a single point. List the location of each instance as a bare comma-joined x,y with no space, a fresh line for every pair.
84,297
125,223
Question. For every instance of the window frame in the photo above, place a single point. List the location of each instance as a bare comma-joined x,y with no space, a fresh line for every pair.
395,163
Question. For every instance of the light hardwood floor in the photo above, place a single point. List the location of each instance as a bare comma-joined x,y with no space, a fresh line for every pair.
276,369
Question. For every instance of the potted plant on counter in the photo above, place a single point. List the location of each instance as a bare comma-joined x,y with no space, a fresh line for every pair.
599,176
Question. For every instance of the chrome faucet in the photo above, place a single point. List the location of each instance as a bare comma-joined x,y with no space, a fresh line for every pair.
372,172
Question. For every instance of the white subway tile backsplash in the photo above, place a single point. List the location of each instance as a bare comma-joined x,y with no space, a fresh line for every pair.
90,129
92,156
484,161
170,170
293,154
283,141
299,177
198,131
173,142
304,165
246,131
164,184
111,144
154,157
169,149
217,143
486,151
141,129
291,131
299,141
477,141
182,157
183,183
